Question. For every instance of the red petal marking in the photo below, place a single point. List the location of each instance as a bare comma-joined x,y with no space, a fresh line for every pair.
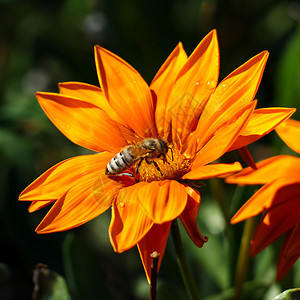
285,262
279,219
189,218
247,157
293,242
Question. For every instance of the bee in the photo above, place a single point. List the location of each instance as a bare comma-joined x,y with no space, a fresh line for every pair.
147,148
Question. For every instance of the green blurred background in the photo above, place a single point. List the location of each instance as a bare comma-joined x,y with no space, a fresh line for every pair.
46,42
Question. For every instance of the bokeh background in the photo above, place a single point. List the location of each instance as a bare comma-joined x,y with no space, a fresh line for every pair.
50,41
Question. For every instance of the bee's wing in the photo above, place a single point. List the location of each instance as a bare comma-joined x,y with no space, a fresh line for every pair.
139,152
129,135
106,188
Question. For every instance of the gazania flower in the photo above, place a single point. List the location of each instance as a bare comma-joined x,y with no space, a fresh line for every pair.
184,110
278,199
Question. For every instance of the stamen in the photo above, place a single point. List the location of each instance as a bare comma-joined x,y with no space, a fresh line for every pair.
174,168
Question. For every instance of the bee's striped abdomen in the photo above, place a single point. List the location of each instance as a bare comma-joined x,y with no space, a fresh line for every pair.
120,162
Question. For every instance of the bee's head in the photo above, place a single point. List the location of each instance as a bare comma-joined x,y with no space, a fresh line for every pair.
151,144
154,144
164,146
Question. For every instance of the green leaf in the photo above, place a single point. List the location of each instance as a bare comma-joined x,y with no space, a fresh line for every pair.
48,285
292,294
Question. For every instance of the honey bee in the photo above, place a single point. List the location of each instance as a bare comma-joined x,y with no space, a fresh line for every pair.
148,148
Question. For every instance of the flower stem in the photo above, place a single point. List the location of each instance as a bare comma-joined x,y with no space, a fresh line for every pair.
154,263
184,266
243,257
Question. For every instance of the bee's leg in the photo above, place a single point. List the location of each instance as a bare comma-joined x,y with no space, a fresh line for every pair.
155,164
172,153
164,157
137,168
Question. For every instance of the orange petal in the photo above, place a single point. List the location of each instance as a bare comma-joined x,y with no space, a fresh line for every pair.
194,84
82,122
278,220
223,138
162,85
89,197
129,223
261,122
162,201
127,92
56,181
90,93
154,240
277,191
169,68
36,205
289,132
76,207
268,170
235,91
189,217
213,170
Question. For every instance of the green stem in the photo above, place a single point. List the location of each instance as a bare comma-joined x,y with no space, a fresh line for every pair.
243,258
184,266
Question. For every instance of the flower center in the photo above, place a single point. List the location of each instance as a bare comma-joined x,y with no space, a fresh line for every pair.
157,169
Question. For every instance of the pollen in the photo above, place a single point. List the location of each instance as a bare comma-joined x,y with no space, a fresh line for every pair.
174,168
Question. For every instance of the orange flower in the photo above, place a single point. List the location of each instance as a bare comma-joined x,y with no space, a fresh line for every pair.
279,199
184,106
